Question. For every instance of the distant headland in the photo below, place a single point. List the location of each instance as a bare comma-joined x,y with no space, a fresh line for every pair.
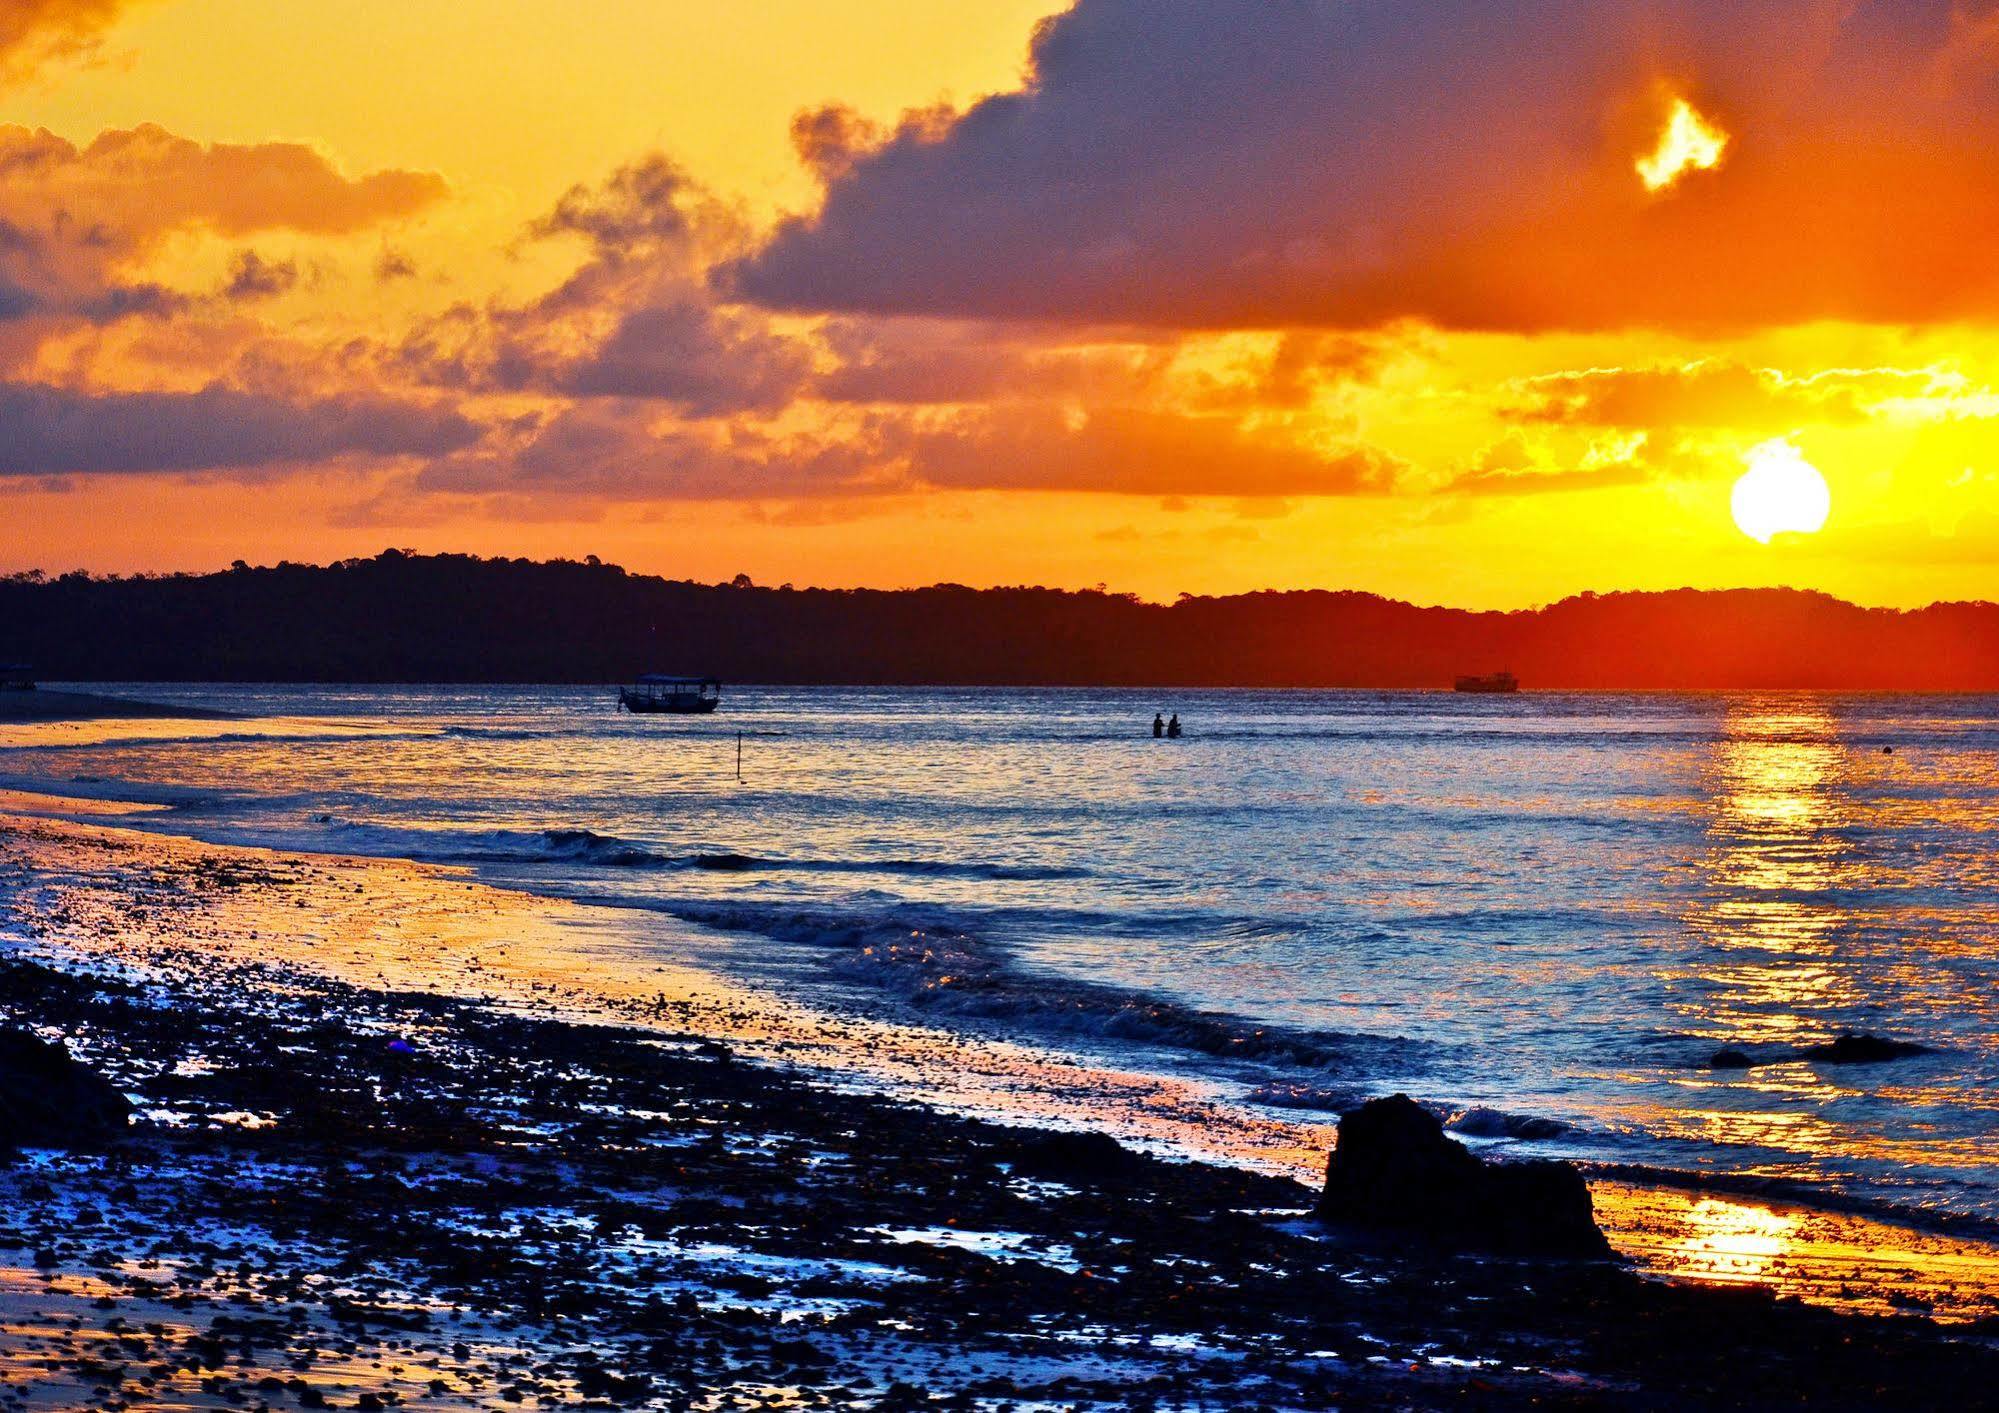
402,617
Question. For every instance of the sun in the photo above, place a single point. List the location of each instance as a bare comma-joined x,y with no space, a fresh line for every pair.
1690,142
1780,493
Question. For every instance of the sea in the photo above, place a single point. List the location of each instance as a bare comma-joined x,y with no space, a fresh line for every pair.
1542,913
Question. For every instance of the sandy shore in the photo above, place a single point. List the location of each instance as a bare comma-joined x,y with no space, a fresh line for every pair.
44,705
348,1190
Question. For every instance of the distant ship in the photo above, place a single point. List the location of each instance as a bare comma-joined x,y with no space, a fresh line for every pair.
1497,682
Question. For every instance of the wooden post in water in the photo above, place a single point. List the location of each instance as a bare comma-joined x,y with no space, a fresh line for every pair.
739,755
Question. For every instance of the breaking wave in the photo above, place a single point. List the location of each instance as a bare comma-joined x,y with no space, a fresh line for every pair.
592,849
943,970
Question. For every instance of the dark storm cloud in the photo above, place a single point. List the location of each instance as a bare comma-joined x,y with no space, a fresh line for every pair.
1465,162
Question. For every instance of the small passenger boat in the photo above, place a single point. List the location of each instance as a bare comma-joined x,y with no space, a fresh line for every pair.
1497,682
656,692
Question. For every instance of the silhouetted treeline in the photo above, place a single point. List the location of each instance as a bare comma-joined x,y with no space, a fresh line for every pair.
401,617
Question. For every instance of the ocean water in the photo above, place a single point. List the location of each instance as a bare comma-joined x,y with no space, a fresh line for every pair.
1545,912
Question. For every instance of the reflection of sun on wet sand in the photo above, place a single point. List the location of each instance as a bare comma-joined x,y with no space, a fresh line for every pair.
1826,1257
56,1347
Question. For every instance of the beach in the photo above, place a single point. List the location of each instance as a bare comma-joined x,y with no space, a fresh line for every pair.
345,1187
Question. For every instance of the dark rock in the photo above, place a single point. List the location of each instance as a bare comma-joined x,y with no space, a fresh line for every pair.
48,1100
1079,1159
1495,1123
1849,1048
1729,1059
1396,1168
595,1381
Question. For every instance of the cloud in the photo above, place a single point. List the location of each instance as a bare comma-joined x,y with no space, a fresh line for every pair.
635,320
1510,467
35,32
1709,393
128,186
646,209
830,139
394,264
1469,164
55,431
1133,452
931,361
706,360
253,277
617,452
620,452
916,361
74,220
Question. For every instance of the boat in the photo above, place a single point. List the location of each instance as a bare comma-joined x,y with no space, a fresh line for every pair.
1497,682
657,692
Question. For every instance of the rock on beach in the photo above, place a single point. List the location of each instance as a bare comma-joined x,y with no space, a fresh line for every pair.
1395,1168
48,1100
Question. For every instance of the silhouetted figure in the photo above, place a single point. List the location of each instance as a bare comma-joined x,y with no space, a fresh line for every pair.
1173,727
1158,725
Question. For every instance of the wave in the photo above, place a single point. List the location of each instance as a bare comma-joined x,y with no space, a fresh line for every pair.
609,851
601,850
1481,1122
597,850
506,733
942,970
927,868
1315,1098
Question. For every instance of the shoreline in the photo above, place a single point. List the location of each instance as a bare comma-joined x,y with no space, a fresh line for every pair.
574,958
205,1024
45,704
441,927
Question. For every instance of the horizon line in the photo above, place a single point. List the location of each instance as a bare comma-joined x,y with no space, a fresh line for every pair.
392,553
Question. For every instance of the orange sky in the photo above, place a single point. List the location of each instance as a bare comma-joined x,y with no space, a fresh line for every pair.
1477,303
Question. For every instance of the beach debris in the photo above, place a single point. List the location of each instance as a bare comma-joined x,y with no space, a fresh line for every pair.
1395,1167
48,1100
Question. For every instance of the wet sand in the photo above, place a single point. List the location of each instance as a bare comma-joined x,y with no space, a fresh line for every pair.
346,1186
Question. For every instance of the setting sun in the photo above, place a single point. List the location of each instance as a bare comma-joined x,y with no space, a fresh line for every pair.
1689,142
1780,493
